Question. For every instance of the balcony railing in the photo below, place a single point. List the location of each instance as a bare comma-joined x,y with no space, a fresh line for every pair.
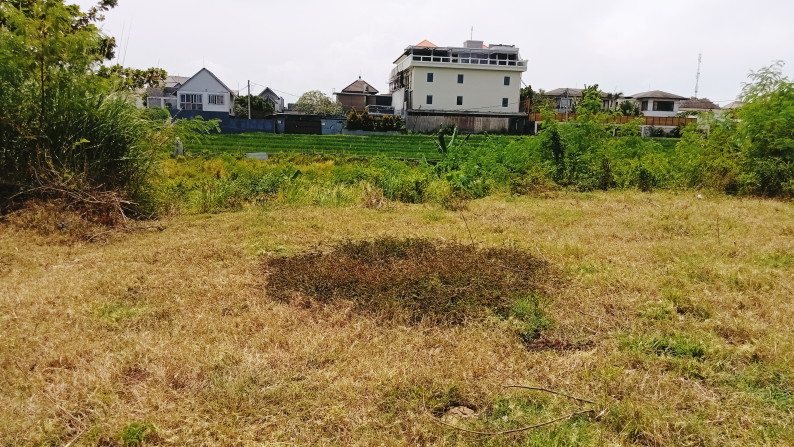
471,60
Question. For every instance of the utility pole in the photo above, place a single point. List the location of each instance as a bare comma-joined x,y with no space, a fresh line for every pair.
249,99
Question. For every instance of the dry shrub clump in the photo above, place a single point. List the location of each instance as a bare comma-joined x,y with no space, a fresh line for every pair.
71,220
411,279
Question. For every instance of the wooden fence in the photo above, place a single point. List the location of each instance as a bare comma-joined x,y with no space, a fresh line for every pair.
671,121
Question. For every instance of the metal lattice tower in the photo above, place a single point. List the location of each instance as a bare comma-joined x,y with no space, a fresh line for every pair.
697,78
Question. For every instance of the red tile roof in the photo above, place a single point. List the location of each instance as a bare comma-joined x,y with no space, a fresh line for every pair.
426,43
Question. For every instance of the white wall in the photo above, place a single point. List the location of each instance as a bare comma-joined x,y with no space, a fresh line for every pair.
651,112
482,90
398,101
205,84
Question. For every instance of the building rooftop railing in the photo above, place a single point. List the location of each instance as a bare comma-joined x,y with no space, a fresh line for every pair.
470,60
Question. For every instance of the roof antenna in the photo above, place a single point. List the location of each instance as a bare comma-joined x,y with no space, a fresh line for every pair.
471,36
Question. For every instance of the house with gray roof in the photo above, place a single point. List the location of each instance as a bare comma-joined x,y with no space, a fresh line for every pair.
658,103
205,92
272,97
165,97
698,105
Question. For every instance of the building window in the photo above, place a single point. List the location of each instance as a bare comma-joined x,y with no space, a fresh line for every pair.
430,77
216,99
460,79
430,99
644,106
190,102
504,102
507,80
460,99
663,106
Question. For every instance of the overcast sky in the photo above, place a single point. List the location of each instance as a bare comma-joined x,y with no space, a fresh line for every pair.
294,46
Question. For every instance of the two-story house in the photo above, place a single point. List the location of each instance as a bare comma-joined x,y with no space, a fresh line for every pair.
360,95
475,87
205,92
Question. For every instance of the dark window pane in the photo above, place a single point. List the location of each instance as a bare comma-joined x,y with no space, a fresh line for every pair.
430,77
507,80
430,99
663,106
460,79
460,100
504,102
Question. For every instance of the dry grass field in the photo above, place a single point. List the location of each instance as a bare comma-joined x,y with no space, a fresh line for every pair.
673,315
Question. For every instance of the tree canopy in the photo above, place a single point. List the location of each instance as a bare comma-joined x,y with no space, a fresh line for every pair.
315,102
260,107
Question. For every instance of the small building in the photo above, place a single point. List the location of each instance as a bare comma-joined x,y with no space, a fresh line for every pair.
205,92
165,97
696,105
567,98
474,86
657,103
734,105
273,98
363,96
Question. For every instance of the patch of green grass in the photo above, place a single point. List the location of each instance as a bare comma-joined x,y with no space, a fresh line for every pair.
116,312
659,312
777,260
773,384
433,215
529,317
672,345
684,305
137,433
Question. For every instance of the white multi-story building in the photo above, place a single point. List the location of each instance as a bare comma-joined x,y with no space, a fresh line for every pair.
476,87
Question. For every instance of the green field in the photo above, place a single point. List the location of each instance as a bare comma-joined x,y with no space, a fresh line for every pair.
414,146
397,146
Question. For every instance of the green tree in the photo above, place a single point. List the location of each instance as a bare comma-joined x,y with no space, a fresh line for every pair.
134,79
367,122
353,120
65,131
260,107
538,101
766,130
590,102
315,102
629,108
